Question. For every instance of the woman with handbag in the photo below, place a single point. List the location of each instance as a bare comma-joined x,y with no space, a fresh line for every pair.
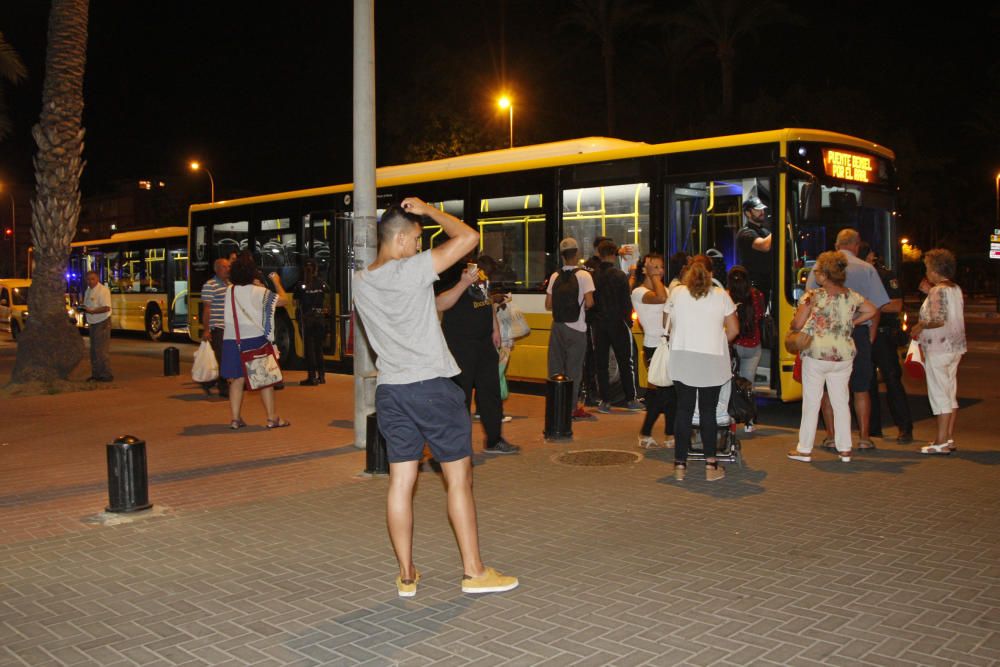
750,311
648,298
827,314
702,323
249,313
941,334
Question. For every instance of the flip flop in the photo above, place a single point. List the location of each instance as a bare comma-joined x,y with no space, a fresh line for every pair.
237,424
278,423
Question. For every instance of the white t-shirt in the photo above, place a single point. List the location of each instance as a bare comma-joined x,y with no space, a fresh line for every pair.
97,297
650,316
396,304
699,349
585,282
255,306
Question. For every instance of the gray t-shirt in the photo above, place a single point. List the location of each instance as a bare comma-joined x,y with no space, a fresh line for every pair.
396,304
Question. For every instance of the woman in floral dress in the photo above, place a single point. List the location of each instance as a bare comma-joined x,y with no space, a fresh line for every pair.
829,314
941,333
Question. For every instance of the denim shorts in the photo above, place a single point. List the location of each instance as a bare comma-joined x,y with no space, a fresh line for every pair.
431,411
861,376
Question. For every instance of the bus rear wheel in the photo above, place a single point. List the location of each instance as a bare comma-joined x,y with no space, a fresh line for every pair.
154,323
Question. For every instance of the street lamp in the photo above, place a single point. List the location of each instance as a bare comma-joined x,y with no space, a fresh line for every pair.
13,235
195,166
505,103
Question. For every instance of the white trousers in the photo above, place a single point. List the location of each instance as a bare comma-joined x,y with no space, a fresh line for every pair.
835,375
941,369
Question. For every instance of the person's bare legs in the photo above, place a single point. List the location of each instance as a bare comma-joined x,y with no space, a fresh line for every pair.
267,397
462,513
399,515
235,398
952,416
827,409
863,413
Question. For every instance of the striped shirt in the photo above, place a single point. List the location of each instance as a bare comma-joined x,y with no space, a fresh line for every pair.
213,295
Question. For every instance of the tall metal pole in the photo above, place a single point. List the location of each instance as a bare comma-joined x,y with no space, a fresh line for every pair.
511,109
211,182
13,236
365,237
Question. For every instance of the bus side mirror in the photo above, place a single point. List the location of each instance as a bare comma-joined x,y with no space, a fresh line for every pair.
811,203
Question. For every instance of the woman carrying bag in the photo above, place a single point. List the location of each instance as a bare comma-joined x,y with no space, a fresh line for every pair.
648,298
828,314
250,309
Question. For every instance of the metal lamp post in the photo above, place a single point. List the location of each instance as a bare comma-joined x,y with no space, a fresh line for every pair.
505,103
195,166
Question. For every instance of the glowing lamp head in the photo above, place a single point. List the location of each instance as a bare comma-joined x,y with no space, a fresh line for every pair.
504,102
194,165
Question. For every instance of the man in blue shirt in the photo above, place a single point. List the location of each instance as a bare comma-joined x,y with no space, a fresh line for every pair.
863,279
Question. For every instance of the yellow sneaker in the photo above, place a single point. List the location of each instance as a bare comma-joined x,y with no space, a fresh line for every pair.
408,588
490,581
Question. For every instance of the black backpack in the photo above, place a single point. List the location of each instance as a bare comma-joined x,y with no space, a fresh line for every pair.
566,296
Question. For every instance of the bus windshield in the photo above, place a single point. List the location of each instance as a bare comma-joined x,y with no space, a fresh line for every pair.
818,211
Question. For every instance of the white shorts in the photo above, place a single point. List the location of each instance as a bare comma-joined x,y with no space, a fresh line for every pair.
942,381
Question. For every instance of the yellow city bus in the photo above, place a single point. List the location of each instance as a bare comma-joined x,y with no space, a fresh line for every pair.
147,273
674,197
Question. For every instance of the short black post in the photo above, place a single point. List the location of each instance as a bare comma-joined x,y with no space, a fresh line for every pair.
558,408
376,455
171,361
128,484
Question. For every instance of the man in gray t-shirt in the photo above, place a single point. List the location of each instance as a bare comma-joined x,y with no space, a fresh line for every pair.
416,402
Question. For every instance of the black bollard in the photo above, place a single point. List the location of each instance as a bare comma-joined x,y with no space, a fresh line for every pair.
128,485
376,455
559,408
171,361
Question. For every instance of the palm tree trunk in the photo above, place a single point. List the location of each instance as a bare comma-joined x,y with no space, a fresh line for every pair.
51,347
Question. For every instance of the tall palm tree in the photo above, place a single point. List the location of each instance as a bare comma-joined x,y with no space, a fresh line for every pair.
607,20
12,70
724,24
51,347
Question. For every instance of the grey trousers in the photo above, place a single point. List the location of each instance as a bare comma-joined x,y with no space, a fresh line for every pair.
100,350
567,349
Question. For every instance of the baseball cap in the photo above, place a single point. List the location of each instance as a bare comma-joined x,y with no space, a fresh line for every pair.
568,243
754,203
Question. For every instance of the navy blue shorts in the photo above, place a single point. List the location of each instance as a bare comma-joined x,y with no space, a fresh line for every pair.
432,412
861,375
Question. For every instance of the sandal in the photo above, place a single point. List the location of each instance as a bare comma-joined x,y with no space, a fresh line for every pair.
648,442
278,423
680,469
237,424
866,444
829,442
845,457
937,448
714,472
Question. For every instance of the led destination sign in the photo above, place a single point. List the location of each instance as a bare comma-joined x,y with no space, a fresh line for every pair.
849,166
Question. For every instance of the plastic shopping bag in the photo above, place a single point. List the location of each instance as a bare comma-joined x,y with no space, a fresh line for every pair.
914,363
205,368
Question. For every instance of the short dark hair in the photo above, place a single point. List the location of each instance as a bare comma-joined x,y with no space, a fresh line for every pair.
394,220
243,269
487,264
607,248
599,240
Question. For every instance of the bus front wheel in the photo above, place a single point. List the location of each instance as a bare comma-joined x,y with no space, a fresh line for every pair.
154,323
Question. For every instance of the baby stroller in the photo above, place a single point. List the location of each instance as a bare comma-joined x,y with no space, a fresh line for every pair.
730,410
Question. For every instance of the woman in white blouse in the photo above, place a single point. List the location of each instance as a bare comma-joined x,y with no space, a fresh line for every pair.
941,333
703,322
648,298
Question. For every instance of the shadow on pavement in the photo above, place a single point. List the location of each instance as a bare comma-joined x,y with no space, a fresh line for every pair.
342,423
740,482
200,396
982,458
217,429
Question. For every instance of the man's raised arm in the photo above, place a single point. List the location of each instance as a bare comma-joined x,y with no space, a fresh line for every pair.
462,238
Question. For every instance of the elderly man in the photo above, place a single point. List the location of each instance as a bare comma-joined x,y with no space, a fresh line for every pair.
213,321
97,307
864,279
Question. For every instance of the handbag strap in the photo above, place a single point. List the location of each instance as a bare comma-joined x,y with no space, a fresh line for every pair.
236,319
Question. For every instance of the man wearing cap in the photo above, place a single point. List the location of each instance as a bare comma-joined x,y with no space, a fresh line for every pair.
568,338
754,245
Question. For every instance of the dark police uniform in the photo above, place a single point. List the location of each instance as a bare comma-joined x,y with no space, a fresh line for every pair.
311,297
886,360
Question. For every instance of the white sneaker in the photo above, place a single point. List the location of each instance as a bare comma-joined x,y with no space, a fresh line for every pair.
748,428
506,418
648,442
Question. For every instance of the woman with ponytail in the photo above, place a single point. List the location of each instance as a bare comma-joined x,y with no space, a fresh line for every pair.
702,322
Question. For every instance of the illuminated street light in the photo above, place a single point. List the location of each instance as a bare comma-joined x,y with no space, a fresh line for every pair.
506,103
195,166
12,234
904,240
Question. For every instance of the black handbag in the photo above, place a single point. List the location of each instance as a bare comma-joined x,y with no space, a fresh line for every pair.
742,407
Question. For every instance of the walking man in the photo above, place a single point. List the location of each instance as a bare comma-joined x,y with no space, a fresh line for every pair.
97,307
613,328
416,401
213,298
569,295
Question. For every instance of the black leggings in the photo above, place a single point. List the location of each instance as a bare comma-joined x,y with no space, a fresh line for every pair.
708,399
659,401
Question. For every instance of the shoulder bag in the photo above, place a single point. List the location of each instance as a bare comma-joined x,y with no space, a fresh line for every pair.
260,366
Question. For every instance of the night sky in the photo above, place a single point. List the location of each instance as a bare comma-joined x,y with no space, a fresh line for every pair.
263,96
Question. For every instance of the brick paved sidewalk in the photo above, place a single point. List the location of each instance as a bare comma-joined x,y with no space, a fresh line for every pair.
270,551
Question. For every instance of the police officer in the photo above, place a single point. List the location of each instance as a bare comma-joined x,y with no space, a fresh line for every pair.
310,301
884,355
